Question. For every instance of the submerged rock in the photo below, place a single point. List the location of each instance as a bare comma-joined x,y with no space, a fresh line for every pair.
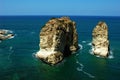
5,34
58,38
100,40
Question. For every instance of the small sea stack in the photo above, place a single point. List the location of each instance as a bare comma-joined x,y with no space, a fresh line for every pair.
58,39
5,34
100,42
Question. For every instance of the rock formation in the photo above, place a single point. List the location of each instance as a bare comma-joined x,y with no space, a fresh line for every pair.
100,41
58,38
4,34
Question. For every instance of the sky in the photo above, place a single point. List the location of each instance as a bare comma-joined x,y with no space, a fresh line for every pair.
60,7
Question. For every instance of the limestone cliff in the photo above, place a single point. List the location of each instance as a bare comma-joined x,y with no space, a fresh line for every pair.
5,34
100,41
58,38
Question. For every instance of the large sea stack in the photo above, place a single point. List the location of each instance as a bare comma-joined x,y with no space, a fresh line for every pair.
100,41
58,38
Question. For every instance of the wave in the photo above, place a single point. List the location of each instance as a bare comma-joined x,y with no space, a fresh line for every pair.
88,74
10,48
111,56
83,41
33,54
89,44
10,53
11,37
90,51
81,47
11,32
81,67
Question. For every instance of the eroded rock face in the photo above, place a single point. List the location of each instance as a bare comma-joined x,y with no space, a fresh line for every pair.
5,34
58,38
100,41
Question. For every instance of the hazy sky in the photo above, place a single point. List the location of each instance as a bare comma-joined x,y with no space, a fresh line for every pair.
60,7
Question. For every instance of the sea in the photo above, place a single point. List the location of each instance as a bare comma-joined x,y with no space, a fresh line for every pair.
17,55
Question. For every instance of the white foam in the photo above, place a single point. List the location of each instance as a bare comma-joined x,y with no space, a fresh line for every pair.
90,51
10,48
35,52
88,74
111,55
97,56
33,55
89,44
80,63
11,37
80,68
83,41
81,47
10,53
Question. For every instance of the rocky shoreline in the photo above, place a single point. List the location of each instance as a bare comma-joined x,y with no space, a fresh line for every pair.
5,34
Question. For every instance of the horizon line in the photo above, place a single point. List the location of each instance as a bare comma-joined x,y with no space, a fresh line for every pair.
65,15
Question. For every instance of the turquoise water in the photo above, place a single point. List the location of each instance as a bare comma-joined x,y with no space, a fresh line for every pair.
17,61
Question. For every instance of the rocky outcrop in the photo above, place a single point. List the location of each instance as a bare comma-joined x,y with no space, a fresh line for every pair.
58,38
100,41
5,34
